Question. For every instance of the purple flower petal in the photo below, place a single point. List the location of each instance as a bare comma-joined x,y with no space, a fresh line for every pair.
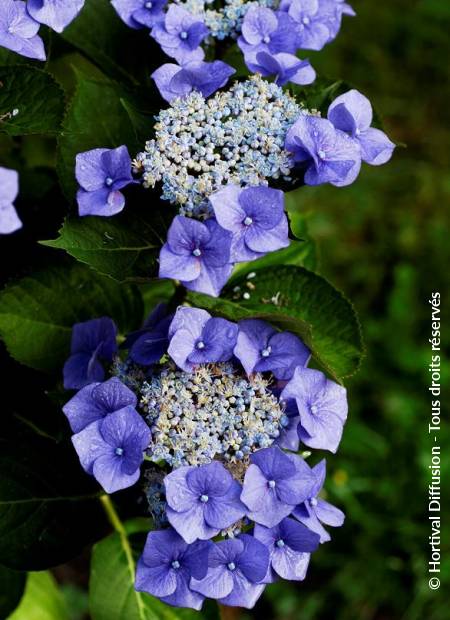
259,22
18,31
95,401
376,148
89,169
252,338
139,13
244,592
179,266
108,471
217,584
9,220
81,369
274,463
329,514
191,524
289,564
306,516
57,14
163,79
351,111
101,202
178,494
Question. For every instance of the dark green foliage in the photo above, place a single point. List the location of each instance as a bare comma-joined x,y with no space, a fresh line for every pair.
30,101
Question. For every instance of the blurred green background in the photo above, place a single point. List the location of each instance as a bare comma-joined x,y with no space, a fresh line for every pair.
384,241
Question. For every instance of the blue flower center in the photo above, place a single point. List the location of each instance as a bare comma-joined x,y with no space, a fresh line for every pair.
314,409
148,5
175,564
184,35
231,566
266,352
306,20
272,484
248,221
280,543
197,252
321,153
109,181
200,345
313,501
119,451
266,39
204,498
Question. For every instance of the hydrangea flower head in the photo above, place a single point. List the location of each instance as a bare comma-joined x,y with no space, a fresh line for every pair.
203,500
322,408
19,31
315,510
92,342
140,13
9,189
352,113
101,173
290,545
236,569
209,434
327,154
262,348
205,77
255,216
97,400
273,484
56,14
197,338
112,448
180,34
236,136
167,566
198,254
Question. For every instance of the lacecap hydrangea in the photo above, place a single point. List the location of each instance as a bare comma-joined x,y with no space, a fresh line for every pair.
206,415
222,161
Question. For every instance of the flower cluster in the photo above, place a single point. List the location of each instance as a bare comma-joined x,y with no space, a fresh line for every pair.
20,22
216,154
210,418
201,144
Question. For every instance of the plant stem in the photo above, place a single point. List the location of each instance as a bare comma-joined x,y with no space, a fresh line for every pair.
112,515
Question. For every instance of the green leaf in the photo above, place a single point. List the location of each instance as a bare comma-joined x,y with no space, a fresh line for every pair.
12,585
111,592
49,508
123,53
102,114
124,247
30,101
300,301
42,600
37,313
